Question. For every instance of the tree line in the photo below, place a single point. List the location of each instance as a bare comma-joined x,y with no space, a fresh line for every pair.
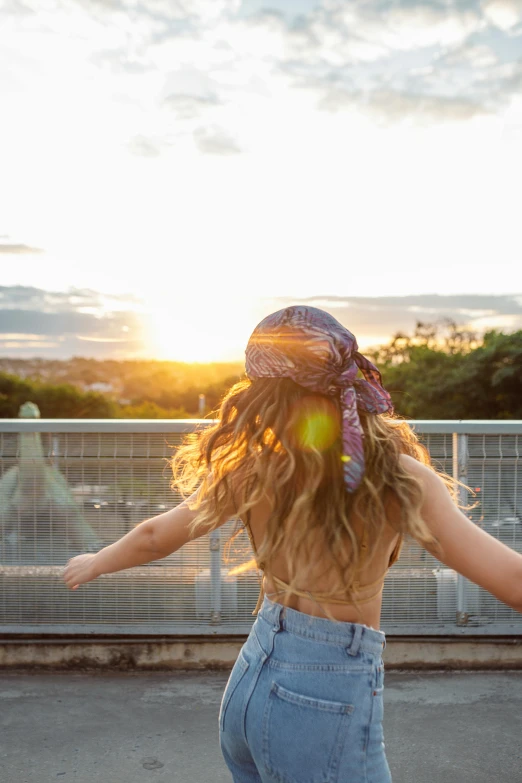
440,371
453,375
66,401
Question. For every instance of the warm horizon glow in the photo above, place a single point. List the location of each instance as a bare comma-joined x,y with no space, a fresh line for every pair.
194,345
199,327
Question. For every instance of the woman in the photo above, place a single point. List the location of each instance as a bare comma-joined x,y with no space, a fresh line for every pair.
328,484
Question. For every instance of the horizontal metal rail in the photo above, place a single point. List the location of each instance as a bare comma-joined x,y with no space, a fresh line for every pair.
442,427
69,486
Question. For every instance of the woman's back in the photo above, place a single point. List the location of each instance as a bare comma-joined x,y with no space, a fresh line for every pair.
370,574
462,546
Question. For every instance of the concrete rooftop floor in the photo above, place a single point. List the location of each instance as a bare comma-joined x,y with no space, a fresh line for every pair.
440,727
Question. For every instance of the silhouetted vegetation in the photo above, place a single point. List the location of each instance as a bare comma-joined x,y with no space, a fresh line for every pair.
131,390
454,375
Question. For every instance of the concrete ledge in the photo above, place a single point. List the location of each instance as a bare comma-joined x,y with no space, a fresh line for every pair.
131,654
453,654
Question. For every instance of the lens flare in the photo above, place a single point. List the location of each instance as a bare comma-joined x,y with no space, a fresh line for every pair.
317,424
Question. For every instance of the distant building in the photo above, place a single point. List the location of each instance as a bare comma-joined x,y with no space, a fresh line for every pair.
104,388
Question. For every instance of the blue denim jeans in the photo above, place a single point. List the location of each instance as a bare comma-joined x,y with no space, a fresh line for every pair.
304,702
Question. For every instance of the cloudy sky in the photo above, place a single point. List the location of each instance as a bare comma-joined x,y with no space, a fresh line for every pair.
172,170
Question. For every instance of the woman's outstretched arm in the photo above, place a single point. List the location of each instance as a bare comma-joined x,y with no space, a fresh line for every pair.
152,539
467,548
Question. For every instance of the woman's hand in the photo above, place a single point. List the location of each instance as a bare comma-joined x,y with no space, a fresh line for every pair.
79,569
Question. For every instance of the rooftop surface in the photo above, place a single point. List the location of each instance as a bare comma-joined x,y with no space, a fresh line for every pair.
440,727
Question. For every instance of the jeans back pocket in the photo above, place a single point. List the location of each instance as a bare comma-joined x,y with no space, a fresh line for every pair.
303,736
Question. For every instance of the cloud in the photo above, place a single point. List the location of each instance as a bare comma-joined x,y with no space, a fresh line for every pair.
204,10
475,55
504,14
189,93
511,80
198,80
18,249
405,25
80,299
188,107
393,106
215,141
71,346
35,322
181,61
172,9
144,147
431,62
67,323
375,319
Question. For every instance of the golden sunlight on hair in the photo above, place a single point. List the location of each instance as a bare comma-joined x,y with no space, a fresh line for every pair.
274,439
243,568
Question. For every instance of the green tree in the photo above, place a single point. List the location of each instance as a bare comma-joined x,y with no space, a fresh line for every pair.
62,401
458,379
488,381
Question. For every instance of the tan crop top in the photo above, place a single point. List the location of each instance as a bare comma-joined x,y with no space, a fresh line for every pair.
321,596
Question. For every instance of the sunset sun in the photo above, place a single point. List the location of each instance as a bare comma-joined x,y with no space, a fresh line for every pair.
198,331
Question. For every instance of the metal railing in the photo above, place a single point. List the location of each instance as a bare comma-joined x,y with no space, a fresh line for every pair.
68,487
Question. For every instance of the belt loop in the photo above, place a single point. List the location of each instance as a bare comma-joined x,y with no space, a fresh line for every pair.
278,619
384,643
353,649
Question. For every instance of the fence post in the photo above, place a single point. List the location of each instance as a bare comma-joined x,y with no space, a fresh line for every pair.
460,472
215,576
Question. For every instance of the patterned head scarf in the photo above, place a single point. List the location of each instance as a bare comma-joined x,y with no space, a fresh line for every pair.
312,348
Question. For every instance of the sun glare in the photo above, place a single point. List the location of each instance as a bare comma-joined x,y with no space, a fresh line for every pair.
196,333
192,345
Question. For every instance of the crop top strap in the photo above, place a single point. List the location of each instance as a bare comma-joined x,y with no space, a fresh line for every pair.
396,550
284,585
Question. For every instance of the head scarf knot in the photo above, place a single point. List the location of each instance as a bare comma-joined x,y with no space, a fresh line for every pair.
312,348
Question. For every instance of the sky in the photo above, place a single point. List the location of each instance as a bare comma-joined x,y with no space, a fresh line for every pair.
173,170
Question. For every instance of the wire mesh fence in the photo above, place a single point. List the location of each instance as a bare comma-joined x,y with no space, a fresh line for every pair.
68,487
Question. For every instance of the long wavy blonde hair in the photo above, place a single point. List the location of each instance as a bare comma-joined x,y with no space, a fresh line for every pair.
274,439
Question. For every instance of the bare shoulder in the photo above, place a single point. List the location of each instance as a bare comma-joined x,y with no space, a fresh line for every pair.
415,467
463,545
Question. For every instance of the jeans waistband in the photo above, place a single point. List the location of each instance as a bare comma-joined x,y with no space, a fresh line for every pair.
355,636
